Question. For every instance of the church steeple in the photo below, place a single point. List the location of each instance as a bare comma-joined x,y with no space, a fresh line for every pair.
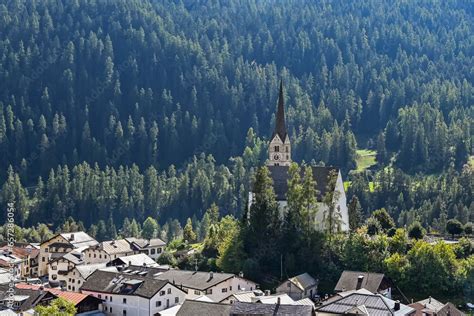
279,151
280,126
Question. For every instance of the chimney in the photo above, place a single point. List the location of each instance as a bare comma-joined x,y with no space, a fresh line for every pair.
397,306
211,275
278,301
267,292
71,237
360,279
41,289
241,274
429,300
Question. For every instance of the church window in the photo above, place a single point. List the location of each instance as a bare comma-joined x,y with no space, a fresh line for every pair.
287,150
277,148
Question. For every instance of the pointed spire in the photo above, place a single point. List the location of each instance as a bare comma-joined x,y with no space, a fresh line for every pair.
280,126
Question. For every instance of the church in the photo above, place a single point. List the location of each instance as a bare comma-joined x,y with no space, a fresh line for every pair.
279,160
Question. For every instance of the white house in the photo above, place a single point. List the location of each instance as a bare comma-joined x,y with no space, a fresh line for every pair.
214,285
152,247
132,295
60,268
107,251
61,244
299,287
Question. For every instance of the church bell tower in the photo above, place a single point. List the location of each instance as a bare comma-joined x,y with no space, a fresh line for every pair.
280,148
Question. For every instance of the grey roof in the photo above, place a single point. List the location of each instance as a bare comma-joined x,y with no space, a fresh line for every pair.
114,246
449,310
139,259
348,281
432,304
33,297
193,308
303,281
242,308
245,296
374,304
115,282
279,175
85,270
141,243
194,279
69,257
76,239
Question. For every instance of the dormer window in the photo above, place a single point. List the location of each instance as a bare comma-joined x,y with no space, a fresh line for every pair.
277,148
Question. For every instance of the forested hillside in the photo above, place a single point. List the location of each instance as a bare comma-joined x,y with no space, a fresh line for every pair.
114,109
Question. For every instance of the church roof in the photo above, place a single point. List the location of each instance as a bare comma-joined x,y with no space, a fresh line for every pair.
280,126
279,175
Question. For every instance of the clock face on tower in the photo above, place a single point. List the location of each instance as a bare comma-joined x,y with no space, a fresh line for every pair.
276,157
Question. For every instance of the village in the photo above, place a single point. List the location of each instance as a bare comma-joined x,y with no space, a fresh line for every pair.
121,277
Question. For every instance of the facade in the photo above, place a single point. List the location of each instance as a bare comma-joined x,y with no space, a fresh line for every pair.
107,251
328,179
60,245
132,295
60,268
299,287
28,256
216,286
151,247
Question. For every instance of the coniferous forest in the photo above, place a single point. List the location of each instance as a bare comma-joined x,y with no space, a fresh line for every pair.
118,116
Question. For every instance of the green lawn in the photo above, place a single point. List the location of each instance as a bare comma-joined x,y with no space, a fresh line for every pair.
365,159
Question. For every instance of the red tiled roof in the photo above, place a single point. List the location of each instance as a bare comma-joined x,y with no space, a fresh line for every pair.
72,297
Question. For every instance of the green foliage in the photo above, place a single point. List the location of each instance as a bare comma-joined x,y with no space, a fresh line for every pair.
58,306
355,213
373,226
150,228
454,227
385,220
416,231
188,234
468,228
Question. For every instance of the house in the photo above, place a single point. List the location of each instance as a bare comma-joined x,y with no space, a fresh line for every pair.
243,296
363,303
245,309
61,244
373,282
17,266
5,276
216,286
193,308
23,299
83,303
328,179
431,306
299,287
132,295
59,270
140,259
28,256
107,251
151,247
